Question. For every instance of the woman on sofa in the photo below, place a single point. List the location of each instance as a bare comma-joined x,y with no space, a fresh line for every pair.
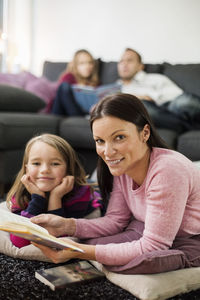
152,222
82,71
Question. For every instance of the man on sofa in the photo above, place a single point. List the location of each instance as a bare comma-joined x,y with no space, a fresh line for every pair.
166,103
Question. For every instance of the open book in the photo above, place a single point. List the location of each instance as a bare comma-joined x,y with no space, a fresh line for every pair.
69,274
23,227
87,96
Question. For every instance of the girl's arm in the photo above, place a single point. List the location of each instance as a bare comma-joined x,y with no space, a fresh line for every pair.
36,206
68,77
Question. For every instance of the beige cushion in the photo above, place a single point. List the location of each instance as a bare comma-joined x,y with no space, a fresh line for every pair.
156,286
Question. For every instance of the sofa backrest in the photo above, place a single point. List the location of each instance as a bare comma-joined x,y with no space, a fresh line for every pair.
184,75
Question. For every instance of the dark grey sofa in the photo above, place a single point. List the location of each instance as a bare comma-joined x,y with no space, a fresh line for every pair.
18,125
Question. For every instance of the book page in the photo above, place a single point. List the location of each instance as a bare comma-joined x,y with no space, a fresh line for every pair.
23,227
9,217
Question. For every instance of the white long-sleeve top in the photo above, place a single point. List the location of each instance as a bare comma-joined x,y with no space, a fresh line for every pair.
157,86
168,202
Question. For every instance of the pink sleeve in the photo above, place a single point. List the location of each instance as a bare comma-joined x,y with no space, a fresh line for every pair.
18,241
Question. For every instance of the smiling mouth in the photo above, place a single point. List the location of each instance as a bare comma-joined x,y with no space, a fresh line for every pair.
114,162
45,178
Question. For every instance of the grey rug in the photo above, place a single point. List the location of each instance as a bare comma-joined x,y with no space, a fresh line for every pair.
17,281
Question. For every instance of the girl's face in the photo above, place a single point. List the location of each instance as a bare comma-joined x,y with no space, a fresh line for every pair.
85,65
46,167
120,145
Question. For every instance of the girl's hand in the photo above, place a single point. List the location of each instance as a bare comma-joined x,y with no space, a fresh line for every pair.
30,186
64,187
56,225
59,191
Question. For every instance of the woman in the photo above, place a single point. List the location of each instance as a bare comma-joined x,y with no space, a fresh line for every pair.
82,71
152,222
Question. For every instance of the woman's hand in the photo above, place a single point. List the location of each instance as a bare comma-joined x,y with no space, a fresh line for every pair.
30,186
56,225
59,256
59,191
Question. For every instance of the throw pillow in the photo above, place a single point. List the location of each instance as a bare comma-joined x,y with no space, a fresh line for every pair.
18,100
156,286
43,88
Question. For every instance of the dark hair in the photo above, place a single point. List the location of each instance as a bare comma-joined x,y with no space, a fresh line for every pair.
138,55
128,108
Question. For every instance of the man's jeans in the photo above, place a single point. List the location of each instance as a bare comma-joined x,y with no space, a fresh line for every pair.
179,114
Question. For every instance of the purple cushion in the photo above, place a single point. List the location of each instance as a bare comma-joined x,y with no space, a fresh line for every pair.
43,88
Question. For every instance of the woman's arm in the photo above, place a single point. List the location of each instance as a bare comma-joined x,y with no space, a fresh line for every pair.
64,255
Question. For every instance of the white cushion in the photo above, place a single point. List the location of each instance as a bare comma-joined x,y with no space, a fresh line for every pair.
156,286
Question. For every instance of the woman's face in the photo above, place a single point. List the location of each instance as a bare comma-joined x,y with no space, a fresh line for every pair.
46,167
85,65
120,145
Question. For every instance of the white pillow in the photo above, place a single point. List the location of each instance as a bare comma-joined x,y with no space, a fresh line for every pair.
197,163
156,286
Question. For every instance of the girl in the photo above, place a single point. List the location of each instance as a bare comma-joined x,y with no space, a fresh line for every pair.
51,180
82,71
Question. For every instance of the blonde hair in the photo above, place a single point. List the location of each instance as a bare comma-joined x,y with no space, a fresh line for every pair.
93,79
74,167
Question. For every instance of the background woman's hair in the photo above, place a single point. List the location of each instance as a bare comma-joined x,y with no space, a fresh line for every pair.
128,108
74,166
92,80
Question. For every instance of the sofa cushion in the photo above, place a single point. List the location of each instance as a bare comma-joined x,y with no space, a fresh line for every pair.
189,144
76,130
184,75
52,70
169,136
18,100
17,128
108,72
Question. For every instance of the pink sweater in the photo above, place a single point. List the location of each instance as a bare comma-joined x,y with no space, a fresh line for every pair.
168,202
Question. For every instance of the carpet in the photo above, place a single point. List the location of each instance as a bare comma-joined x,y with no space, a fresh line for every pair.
17,281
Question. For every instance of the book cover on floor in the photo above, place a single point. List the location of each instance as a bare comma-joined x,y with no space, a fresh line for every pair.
87,96
23,227
69,275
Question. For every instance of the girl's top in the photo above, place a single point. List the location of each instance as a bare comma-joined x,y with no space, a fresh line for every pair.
82,203
168,202
69,78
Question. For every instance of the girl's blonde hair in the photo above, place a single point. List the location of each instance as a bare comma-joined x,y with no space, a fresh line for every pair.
72,68
74,167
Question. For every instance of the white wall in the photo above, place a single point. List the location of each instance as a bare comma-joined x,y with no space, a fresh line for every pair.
161,30
19,27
